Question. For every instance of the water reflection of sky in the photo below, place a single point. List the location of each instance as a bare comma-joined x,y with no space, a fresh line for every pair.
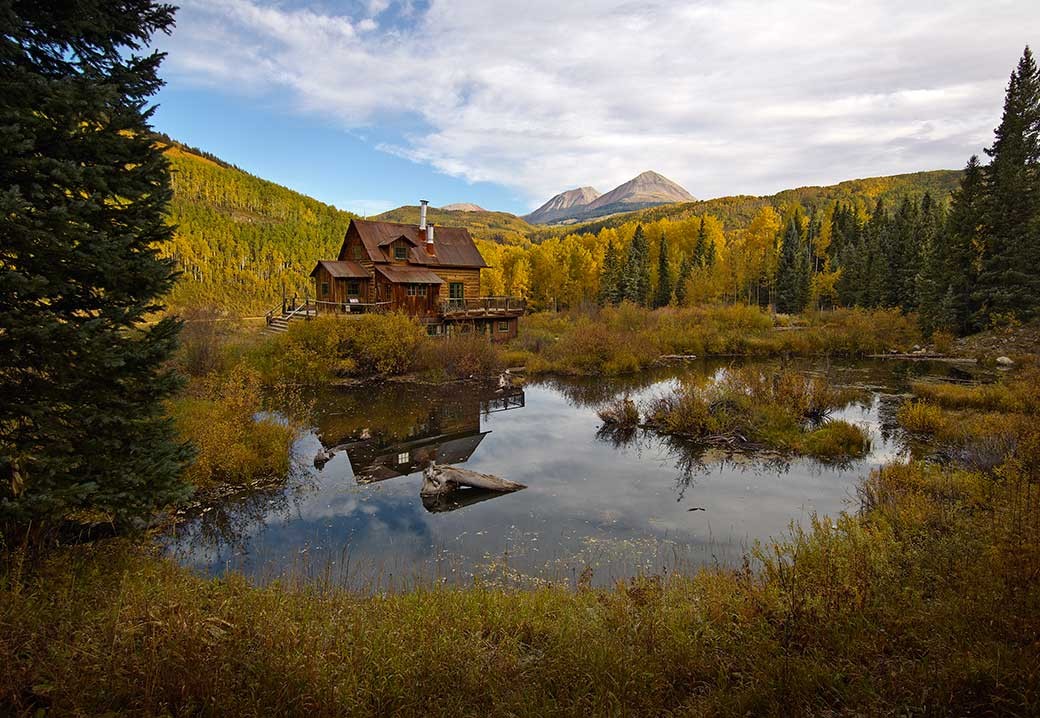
619,508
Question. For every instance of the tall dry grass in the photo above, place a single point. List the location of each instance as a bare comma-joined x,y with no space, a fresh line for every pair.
627,338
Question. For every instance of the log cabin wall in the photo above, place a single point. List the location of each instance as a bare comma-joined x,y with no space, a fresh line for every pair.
337,289
421,305
354,250
470,279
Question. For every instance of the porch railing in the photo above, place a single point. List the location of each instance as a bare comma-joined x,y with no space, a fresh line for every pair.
484,305
323,307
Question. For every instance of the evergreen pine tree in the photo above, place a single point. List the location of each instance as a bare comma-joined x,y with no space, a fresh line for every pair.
83,194
608,278
874,263
959,242
664,275
683,280
931,289
709,251
700,247
791,282
637,269
1008,283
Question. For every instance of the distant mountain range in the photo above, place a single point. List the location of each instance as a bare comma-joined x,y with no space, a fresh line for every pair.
648,189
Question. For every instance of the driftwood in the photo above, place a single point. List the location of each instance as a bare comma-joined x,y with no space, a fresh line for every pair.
440,503
445,479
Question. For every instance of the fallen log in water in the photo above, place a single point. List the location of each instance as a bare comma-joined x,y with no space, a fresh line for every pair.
445,479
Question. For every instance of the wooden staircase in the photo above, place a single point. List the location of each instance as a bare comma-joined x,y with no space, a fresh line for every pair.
278,317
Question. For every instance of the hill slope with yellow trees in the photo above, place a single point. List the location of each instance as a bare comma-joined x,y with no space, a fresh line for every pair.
501,227
240,238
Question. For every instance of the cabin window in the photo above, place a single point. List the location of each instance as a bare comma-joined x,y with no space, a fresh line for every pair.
355,251
416,290
324,289
433,329
400,252
503,326
353,289
402,458
456,290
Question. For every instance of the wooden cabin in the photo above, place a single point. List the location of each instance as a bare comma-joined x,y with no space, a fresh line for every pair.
430,273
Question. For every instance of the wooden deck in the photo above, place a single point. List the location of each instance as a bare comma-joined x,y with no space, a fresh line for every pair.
278,317
480,307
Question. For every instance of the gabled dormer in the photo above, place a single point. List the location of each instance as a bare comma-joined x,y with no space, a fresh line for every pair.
398,249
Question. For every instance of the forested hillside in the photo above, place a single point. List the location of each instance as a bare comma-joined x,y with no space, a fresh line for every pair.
500,227
239,238
730,249
737,212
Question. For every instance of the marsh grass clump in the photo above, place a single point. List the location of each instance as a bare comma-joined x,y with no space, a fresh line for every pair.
976,426
784,410
835,440
621,413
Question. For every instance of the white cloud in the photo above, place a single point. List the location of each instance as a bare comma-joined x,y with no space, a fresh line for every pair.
735,96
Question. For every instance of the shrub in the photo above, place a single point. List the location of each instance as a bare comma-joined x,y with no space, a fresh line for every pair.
202,340
943,342
461,356
381,343
235,443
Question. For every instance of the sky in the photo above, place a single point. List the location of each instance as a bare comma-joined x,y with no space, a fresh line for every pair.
371,104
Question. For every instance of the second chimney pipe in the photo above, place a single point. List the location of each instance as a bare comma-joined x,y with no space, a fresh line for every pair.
422,213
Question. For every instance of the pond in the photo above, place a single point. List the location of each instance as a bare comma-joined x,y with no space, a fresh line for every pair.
598,506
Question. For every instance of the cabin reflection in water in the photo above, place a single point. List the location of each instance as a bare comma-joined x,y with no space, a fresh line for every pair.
447,430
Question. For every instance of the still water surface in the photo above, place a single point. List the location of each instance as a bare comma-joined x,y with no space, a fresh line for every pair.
613,505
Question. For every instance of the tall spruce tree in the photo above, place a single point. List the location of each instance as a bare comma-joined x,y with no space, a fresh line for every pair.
1008,283
959,248
636,280
792,282
682,281
608,278
663,297
83,194
700,246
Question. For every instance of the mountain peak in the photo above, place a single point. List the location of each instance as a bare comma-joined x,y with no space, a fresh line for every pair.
646,189
562,205
463,207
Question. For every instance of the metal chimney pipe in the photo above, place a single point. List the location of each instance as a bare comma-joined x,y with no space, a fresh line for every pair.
422,213
429,239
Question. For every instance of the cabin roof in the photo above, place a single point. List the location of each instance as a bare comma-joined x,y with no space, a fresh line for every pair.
404,274
341,268
453,246
390,240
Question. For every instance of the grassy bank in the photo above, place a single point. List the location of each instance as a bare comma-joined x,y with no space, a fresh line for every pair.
617,340
928,599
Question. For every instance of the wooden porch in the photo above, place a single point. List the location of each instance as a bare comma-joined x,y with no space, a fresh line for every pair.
482,307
